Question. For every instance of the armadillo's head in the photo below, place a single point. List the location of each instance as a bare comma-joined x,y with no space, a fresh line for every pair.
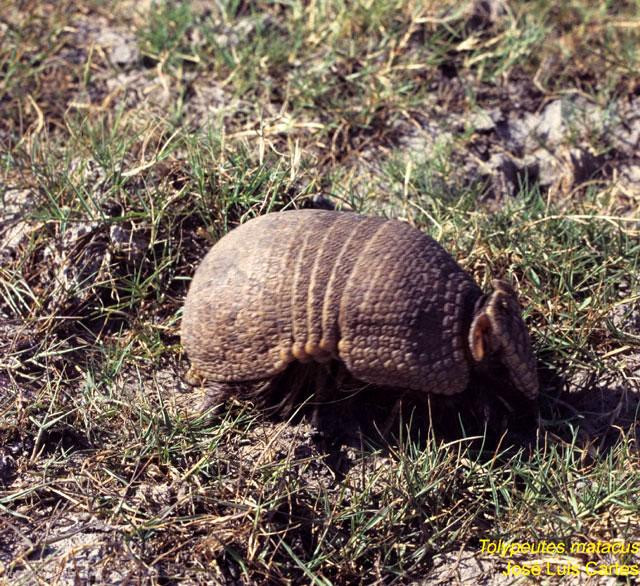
499,336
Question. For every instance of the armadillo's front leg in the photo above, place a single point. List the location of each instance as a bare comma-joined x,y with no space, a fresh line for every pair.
333,404
392,418
321,399
330,409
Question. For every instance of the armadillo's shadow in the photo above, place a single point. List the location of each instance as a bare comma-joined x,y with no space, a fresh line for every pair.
485,417
351,414
593,416
347,413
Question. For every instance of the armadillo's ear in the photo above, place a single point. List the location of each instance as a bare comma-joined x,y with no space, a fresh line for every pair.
480,336
498,329
503,287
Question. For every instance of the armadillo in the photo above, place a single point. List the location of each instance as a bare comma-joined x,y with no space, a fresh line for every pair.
378,295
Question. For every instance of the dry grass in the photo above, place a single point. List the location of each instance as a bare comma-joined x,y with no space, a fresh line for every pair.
134,135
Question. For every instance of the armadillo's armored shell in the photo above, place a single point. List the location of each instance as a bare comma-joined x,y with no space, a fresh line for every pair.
379,295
